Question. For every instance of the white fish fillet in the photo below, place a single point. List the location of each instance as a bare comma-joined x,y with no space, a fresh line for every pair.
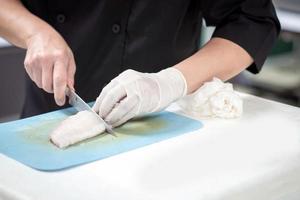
77,128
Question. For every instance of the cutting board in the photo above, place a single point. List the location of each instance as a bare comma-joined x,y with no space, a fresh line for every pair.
27,140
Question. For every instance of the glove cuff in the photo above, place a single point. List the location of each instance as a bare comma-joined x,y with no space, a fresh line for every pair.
172,86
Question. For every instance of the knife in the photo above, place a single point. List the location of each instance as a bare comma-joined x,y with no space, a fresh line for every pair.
81,105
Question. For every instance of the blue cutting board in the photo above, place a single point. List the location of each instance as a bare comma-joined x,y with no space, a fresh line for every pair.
27,140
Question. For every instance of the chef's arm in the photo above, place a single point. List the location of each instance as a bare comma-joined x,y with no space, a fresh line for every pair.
134,93
244,35
17,24
49,61
218,58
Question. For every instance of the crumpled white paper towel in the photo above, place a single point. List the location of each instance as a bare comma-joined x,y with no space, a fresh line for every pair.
213,99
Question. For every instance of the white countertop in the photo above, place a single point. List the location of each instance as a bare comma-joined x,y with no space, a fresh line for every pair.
254,157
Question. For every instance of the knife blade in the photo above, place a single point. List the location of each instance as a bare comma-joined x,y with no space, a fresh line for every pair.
76,101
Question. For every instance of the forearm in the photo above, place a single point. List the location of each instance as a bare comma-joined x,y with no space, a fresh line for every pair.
49,61
17,24
219,57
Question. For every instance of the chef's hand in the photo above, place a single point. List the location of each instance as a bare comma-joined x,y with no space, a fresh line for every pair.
134,93
50,63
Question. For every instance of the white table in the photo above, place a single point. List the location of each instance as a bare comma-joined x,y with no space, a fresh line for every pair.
254,157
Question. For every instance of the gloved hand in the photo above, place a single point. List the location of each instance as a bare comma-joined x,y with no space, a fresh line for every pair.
134,93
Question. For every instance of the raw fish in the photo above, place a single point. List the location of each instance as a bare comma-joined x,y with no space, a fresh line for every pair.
76,128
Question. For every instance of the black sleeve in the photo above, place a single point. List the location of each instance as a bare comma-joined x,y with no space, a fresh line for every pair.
252,24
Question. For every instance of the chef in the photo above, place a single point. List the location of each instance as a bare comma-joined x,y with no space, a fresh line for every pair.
133,57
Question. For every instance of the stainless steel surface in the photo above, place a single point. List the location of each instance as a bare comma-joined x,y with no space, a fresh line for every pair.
12,83
290,5
4,43
81,105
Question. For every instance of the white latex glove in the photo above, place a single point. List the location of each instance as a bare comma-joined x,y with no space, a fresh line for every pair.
134,93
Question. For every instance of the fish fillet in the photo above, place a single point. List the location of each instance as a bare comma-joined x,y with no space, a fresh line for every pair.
76,128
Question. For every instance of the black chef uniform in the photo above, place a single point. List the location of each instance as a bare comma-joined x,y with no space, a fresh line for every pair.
109,36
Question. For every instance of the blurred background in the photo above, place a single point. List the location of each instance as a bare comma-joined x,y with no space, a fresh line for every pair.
279,79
